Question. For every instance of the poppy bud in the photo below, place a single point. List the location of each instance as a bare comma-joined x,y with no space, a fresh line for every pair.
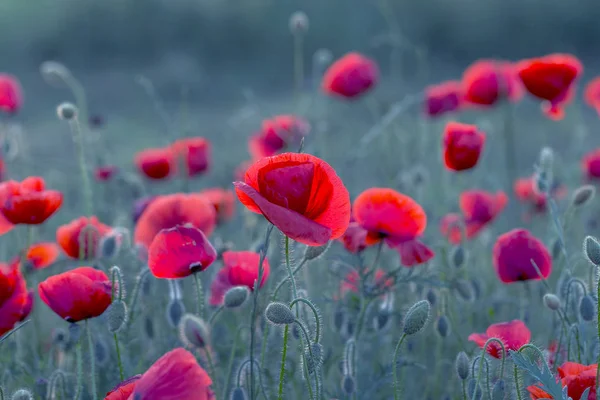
442,326
338,318
54,73
299,23
238,394
556,249
22,394
464,289
116,316
348,385
474,389
416,317
587,308
462,365
583,195
314,252
175,310
149,327
476,285
431,296
235,297
499,390
458,255
194,332
279,314
551,301
101,352
323,57
314,362
591,249
67,111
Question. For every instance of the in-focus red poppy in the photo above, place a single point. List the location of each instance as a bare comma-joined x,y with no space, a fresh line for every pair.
513,335
276,135
78,294
168,211
179,252
41,255
512,255
157,163
124,389
81,231
443,98
462,145
551,78
355,237
298,193
174,376
590,164
28,202
11,95
240,268
576,377
352,281
395,218
526,192
222,200
487,82
350,76
480,208
592,94
195,153
105,173
15,300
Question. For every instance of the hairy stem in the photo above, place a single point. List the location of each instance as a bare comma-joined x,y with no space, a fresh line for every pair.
92,360
395,367
199,295
283,356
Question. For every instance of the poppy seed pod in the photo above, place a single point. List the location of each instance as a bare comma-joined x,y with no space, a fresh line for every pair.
22,394
238,394
551,301
175,310
279,314
235,297
583,195
591,249
416,317
587,308
66,111
314,252
194,332
116,316
299,23
462,365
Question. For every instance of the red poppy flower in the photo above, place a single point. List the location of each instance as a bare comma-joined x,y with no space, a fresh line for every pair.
42,255
5,225
513,335
525,191
276,134
462,146
350,76
355,237
397,219
451,226
78,294
551,79
592,94
486,82
590,164
196,154
480,208
174,376
15,300
513,253
123,390
352,281
105,173
11,97
298,193
576,377
240,268
28,202
443,98
168,211
222,200
81,231
179,252
156,163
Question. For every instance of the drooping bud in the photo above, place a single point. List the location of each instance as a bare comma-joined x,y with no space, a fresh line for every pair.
54,73
583,195
591,249
587,308
279,314
499,390
116,316
462,365
175,310
238,394
314,362
556,249
235,297
416,317
464,289
443,326
348,385
551,301
314,252
66,111
431,296
194,332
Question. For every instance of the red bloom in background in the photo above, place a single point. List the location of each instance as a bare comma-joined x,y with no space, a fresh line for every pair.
480,208
590,164
487,81
42,255
156,163
222,200
397,219
11,95
576,377
513,253
5,225
179,252
513,335
105,173
355,237
174,376
551,79
28,202
168,211
15,300
462,146
298,193
276,134
592,94
78,294
123,390
352,281
240,268
451,226
196,154
139,206
81,231
525,191
443,98
350,76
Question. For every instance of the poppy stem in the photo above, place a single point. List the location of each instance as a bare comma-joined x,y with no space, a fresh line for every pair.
214,315
283,282
92,360
289,269
464,390
136,293
79,361
482,359
119,362
213,372
298,62
199,295
77,133
598,359
517,387
509,145
282,370
227,377
395,365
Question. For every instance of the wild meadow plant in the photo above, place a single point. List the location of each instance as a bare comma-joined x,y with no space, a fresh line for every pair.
323,287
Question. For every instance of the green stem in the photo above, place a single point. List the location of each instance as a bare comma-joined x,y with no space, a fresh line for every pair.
298,62
199,295
361,317
598,359
482,359
77,132
232,356
517,387
289,269
510,145
135,294
316,315
214,315
284,281
464,390
394,365
283,355
79,361
213,371
92,360
120,363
